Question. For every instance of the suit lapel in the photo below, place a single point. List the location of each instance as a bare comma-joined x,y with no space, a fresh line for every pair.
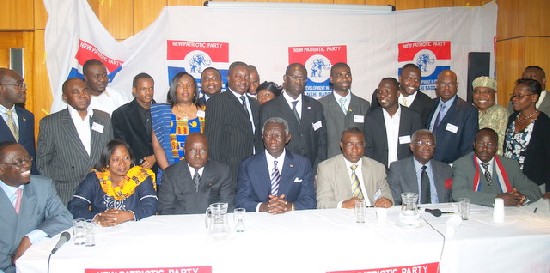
134,117
96,137
287,173
381,120
411,179
22,123
341,172
27,207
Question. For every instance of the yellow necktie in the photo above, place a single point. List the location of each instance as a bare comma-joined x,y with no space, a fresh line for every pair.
11,124
355,188
405,102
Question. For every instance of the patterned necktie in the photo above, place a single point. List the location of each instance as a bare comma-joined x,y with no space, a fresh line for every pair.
275,179
343,105
487,173
11,124
440,116
355,188
19,193
425,191
197,180
405,102
294,103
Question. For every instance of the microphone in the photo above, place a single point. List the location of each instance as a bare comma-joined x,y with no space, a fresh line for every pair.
65,236
436,212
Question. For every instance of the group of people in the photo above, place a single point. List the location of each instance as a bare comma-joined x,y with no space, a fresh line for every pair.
262,147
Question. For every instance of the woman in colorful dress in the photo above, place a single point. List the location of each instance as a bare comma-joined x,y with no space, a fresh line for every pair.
173,122
528,133
115,191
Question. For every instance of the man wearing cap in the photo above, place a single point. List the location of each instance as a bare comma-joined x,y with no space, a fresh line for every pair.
491,115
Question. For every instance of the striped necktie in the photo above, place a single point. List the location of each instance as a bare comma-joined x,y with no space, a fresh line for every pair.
355,187
275,179
343,105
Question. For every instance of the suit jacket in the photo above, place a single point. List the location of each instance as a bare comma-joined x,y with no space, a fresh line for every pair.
254,184
177,194
229,132
376,137
537,154
40,209
61,155
402,178
336,121
456,132
25,125
334,182
128,126
463,181
309,135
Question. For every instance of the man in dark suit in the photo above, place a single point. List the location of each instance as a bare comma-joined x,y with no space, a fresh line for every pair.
303,114
341,108
410,95
420,173
132,122
211,84
31,209
275,180
482,176
191,185
453,121
388,129
70,141
21,122
232,127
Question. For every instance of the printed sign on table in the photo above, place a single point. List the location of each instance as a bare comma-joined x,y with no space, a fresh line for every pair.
421,268
186,269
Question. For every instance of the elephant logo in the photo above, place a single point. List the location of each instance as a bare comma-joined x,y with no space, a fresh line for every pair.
317,67
198,62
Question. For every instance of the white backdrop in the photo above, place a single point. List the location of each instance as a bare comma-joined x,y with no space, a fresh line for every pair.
369,43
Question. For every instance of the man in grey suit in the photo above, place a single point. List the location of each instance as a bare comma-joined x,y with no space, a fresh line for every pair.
341,108
70,141
482,176
345,178
303,114
388,129
411,174
191,185
31,209
232,127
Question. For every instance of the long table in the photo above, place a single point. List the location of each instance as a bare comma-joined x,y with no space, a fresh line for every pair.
310,241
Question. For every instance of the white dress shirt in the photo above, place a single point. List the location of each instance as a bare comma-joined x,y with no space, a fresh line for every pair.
83,127
289,101
392,133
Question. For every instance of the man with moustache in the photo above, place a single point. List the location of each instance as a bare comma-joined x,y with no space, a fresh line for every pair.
16,124
70,141
453,121
304,115
275,180
421,173
191,185
31,209
388,129
482,176
232,121
102,97
132,122
341,108
211,84
350,176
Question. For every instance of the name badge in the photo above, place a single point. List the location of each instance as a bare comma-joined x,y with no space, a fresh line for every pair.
451,128
359,118
317,125
97,127
201,113
404,139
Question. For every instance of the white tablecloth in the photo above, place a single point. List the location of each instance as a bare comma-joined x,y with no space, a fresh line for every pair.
312,241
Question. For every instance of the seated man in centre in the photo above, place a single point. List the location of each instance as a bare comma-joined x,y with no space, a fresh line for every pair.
346,178
275,180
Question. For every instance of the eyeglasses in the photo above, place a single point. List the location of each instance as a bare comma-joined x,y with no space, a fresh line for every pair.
297,78
21,85
20,162
513,96
425,143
